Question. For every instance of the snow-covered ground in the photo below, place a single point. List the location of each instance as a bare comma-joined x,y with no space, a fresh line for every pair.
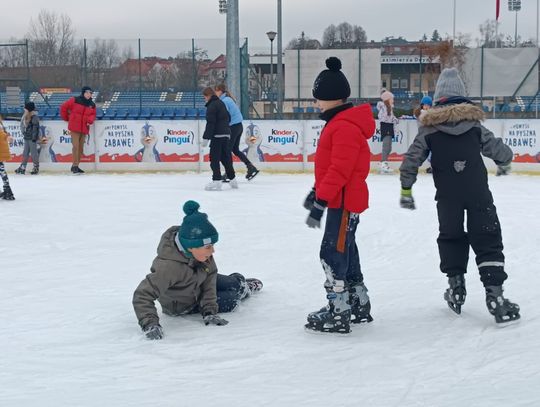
74,249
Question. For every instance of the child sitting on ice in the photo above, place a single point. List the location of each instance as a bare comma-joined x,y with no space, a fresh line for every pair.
184,277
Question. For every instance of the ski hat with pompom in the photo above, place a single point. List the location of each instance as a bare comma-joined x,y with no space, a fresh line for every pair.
196,230
331,84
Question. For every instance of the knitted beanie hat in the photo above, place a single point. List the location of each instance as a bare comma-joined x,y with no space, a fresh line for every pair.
196,230
86,88
331,84
386,95
449,84
30,106
426,100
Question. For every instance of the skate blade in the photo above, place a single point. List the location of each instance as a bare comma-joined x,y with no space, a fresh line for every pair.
253,176
312,330
506,323
366,320
455,307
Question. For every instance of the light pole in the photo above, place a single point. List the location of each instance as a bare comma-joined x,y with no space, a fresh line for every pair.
515,5
271,36
279,61
230,8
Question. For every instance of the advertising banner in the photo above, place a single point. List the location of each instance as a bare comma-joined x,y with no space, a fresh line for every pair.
54,144
399,141
148,141
523,137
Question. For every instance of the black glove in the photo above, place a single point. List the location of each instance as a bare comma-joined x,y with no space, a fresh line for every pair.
406,200
214,320
316,213
154,332
310,198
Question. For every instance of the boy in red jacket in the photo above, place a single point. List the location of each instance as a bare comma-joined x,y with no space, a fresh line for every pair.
342,165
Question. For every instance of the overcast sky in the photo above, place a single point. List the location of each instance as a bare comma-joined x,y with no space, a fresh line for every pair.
157,19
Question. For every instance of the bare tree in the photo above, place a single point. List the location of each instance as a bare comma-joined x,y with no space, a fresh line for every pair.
102,57
488,34
304,42
52,38
330,37
344,36
13,57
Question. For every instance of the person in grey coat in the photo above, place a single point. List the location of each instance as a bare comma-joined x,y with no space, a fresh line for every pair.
453,133
30,132
184,277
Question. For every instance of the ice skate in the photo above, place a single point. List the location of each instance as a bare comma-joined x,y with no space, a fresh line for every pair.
225,179
213,186
360,304
255,285
384,168
21,170
233,183
456,293
501,308
76,170
251,172
334,318
7,194
35,170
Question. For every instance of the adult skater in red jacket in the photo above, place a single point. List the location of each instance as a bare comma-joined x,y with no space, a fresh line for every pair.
342,165
80,113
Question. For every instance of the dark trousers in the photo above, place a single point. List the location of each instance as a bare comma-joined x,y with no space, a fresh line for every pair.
236,133
483,235
230,291
220,152
339,253
3,175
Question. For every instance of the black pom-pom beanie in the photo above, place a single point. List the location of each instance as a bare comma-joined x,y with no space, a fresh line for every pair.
331,84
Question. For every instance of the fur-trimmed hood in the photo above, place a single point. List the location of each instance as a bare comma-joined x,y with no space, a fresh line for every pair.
453,119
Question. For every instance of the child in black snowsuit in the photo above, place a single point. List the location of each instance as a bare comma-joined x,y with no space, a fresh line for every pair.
452,132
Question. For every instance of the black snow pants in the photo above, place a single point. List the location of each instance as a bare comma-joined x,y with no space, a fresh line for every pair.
483,235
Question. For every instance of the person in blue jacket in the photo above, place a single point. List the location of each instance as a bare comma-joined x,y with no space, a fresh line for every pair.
236,128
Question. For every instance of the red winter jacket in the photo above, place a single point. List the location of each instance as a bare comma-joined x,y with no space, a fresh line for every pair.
342,159
78,115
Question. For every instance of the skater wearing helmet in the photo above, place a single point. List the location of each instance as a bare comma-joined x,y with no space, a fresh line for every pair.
425,104
453,133
184,277
341,168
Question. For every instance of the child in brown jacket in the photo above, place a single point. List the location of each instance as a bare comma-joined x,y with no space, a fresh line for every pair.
184,277
5,155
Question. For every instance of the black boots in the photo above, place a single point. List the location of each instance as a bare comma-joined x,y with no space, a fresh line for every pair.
501,308
7,194
455,294
76,170
335,317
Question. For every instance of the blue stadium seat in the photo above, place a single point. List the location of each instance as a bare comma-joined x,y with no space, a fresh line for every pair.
121,113
133,113
168,113
202,111
145,113
180,112
298,109
99,113
191,113
109,114
310,109
157,112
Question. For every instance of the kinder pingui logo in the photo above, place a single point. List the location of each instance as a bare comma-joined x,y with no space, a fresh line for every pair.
283,137
179,137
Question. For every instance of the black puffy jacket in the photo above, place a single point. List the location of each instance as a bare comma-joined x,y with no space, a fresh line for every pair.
217,118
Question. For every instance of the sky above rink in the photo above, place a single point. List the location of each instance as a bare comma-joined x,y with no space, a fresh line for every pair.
167,19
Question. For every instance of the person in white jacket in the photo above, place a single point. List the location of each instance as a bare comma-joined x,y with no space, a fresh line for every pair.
387,121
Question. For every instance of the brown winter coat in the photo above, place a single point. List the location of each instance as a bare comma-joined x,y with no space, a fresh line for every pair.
5,155
179,283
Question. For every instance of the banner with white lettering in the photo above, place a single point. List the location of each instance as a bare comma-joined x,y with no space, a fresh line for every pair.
523,137
399,140
54,143
313,133
148,141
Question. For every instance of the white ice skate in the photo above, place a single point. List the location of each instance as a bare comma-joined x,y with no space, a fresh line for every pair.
233,183
213,186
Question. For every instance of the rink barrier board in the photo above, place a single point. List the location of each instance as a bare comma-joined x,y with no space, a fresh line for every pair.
280,145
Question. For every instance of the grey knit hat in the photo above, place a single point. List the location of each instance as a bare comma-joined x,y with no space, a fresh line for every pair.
449,84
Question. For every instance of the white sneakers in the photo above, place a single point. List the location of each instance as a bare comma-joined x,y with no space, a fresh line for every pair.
216,185
384,168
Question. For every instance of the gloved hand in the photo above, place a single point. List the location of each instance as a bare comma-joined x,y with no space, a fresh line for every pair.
406,200
205,143
310,198
154,332
214,320
503,170
316,213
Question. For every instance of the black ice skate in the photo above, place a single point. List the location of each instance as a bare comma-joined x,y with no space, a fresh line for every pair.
21,170
456,293
360,305
7,194
76,170
501,308
35,170
251,172
334,318
225,179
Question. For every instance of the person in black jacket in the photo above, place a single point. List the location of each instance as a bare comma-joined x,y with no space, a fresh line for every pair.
30,132
452,132
218,133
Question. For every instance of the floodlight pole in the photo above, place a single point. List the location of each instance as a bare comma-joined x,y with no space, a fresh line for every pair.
279,61
233,50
